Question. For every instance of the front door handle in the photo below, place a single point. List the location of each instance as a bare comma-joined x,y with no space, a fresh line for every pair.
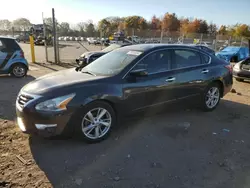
170,79
204,71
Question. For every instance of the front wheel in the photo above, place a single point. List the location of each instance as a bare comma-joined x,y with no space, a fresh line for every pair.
19,70
95,122
211,97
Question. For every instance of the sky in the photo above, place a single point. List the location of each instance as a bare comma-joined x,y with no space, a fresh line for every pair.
221,12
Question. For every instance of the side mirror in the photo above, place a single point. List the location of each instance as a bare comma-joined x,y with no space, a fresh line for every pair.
139,73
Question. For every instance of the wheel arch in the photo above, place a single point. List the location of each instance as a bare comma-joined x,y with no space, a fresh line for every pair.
17,63
220,83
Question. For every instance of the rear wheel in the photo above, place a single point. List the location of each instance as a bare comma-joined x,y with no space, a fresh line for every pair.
95,121
19,70
239,79
211,97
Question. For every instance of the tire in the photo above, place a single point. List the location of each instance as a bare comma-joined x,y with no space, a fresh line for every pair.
239,79
210,106
92,129
18,70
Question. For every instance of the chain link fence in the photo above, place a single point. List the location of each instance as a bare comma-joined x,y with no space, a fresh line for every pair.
68,48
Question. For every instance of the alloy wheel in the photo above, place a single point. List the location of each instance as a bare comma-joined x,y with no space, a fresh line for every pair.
212,97
96,123
19,71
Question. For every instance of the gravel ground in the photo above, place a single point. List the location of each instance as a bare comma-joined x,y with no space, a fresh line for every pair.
178,147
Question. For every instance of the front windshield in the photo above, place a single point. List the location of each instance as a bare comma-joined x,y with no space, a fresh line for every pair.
111,47
112,63
231,49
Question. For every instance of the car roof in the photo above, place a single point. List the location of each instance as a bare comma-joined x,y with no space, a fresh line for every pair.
148,47
6,37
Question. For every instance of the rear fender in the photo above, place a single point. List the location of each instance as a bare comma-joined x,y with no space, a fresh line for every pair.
11,62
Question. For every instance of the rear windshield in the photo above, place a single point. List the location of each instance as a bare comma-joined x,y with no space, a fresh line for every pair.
10,44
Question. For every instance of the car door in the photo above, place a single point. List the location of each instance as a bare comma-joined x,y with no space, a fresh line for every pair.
192,71
156,87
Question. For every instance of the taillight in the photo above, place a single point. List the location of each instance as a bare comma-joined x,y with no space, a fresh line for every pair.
230,68
22,54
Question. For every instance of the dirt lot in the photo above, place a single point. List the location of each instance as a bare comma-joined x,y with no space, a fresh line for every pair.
153,150
68,51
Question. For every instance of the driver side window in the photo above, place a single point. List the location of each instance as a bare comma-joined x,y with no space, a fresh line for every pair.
155,62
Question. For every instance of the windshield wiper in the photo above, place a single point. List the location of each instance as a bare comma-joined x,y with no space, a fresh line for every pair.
87,72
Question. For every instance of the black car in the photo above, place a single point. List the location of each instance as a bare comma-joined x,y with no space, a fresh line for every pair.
89,57
91,101
241,70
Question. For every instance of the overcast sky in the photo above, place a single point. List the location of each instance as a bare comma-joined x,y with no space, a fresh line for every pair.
74,11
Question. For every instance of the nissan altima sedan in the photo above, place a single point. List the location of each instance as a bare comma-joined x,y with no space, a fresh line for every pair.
138,77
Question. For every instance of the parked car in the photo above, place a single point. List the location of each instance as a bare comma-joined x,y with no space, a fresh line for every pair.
91,101
12,59
241,70
88,57
233,53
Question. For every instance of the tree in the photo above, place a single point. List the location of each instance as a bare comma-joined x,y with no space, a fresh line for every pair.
135,22
64,28
242,30
104,26
170,22
203,27
212,29
49,23
81,27
90,29
5,25
184,26
223,30
22,24
155,23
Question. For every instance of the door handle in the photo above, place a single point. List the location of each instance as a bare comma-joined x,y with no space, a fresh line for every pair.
170,79
204,71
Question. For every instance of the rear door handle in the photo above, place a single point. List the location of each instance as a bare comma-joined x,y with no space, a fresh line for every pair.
170,79
204,71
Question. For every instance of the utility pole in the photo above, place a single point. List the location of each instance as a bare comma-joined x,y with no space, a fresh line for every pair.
45,39
54,35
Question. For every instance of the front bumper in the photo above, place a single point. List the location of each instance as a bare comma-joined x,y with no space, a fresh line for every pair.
44,124
241,74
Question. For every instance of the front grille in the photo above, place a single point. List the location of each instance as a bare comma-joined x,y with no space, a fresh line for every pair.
23,99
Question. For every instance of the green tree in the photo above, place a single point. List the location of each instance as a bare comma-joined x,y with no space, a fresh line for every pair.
223,30
90,29
104,26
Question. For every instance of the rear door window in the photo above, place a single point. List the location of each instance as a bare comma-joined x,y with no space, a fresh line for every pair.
184,58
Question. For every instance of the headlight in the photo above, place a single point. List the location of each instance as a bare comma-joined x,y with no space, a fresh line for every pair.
236,67
56,104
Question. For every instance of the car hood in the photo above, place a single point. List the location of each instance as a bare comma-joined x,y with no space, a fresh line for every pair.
60,79
86,54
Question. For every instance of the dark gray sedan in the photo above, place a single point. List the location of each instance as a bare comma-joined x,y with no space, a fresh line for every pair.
129,79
